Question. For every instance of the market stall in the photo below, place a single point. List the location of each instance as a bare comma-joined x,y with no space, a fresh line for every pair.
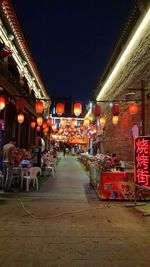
87,159
110,183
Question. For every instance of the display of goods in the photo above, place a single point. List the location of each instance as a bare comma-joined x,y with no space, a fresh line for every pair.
104,162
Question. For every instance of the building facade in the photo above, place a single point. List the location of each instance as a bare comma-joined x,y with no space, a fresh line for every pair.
128,71
20,81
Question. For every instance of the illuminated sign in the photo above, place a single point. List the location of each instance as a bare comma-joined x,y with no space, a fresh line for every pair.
142,160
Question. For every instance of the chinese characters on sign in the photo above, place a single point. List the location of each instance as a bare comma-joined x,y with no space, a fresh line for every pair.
142,161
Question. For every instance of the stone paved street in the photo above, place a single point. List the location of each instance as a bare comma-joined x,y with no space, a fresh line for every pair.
64,224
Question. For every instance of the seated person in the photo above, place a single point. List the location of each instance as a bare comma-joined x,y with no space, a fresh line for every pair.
115,160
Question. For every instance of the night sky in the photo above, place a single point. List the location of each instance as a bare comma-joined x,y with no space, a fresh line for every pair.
72,40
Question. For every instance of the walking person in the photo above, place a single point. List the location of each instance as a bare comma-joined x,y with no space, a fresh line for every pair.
64,151
8,163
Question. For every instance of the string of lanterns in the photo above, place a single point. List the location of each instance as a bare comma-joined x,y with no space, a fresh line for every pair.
60,109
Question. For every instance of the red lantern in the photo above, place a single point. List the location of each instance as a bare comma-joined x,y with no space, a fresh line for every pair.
2,103
20,105
44,125
60,109
72,123
115,110
63,123
54,127
39,107
77,129
38,128
20,118
133,108
81,127
86,122
33,124
102,121
49,122
46,129
39,121
115,120
77,109
97,110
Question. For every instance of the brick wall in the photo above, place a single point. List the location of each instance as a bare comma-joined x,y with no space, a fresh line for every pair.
134,68
119,139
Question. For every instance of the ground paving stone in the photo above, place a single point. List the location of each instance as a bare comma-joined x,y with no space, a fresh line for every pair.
67,225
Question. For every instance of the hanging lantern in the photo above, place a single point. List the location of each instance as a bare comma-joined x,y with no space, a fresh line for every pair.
77,129
86,122
38,128
60,131
63,123
54,127
102,121
44,125
39,107
97,110
77,109
2,103
81,127
39,121
73,122
115,110
133,108
33,124
60,109
49,122
115,120
20,118
20,105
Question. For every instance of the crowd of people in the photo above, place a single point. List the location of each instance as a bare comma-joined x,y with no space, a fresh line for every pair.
14,157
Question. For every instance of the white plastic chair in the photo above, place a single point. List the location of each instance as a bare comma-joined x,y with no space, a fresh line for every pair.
32,176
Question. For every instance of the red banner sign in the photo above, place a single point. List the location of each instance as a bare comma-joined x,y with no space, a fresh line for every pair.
142,161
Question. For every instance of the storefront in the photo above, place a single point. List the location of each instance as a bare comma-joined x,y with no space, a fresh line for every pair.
111,183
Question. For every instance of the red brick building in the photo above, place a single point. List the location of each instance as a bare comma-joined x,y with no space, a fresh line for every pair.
127,68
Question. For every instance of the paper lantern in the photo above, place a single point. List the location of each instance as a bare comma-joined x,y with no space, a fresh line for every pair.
44,125
63,123
102,121
115,120
38,128
77,109
115,110
133,108
39,121
2,103
20,118
49,122
54,127
97,110
81,127
60,109
20,105
77,129
33,124
86,122
73,122
39,107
